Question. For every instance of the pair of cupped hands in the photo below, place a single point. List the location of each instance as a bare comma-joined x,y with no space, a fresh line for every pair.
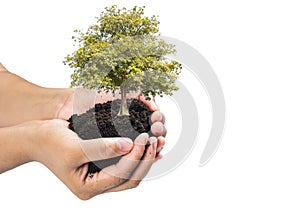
46,138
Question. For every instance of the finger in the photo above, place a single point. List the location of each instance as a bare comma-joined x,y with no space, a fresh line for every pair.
150,104
142,169
117,174
158,154
160,144
129,162
147,161
2,68
158,129
157,116
158,157
104,148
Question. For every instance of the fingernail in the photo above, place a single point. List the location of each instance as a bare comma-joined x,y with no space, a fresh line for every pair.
125,144
157,128
161,128
142,139
160,116
157,116
152,140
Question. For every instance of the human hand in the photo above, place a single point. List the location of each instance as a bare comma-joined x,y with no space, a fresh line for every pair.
81,100
67,156
53,144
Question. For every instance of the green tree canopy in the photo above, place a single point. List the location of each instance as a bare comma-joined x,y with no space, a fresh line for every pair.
123,51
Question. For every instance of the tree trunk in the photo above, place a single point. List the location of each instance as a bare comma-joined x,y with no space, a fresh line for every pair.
123,107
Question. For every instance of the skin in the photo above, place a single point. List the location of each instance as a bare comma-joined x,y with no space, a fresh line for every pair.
39,132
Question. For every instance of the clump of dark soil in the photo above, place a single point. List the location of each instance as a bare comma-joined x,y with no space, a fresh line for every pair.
103,121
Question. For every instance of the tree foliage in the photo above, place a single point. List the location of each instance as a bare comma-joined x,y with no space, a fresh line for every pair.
122,50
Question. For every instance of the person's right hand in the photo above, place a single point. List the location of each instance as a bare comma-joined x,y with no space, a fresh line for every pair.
67,156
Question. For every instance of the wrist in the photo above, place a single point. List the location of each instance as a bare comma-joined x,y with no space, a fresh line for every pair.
63,103
34,136
22,101
55,103
16,147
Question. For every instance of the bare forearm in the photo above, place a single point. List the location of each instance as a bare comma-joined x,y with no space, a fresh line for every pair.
22,101
14,148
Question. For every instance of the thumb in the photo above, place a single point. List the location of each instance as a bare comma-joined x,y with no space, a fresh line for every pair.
104,148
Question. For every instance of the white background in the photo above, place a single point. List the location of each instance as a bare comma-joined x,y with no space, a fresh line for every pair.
254,48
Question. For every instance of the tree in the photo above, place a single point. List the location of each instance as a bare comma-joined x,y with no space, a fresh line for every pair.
122,52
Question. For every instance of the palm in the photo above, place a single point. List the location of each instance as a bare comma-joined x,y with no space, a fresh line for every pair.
72,155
